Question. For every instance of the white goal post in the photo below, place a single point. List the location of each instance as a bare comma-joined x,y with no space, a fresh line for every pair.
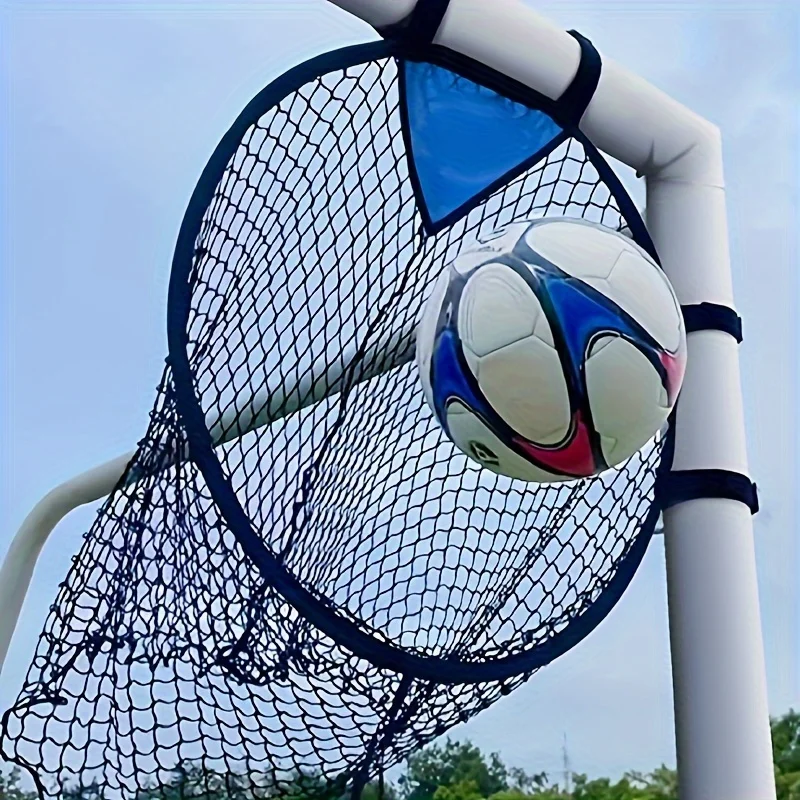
246,413
721,713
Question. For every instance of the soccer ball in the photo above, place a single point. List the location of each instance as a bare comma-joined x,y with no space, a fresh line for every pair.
553,350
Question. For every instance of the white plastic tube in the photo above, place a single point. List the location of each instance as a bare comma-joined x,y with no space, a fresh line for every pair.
719,678
242,416
20,560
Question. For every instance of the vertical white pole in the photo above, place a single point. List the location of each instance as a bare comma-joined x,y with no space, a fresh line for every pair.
719,677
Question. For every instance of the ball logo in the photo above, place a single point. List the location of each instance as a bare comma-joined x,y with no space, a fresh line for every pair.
483,454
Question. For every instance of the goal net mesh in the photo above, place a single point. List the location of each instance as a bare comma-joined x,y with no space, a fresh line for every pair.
170,665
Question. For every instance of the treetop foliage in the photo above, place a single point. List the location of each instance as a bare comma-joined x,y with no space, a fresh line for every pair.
448,770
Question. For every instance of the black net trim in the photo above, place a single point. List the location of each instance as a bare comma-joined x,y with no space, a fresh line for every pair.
169,658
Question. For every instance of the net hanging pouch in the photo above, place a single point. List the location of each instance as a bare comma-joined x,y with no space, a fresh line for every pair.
300,580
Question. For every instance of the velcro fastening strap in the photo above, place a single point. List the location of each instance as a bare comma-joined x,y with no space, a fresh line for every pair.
693,484
421,25
712,317
577,96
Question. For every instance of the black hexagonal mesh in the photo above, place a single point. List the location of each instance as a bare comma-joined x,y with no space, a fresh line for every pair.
297,609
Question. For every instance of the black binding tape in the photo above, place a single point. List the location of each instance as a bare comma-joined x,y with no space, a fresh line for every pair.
421,25
426,18
693,484
577,96
712,317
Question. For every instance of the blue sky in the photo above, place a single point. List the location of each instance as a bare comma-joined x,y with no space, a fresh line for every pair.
110,112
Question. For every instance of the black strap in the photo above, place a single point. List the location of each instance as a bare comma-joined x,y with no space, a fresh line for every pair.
712,317
577,96
693,484
426,18
421,25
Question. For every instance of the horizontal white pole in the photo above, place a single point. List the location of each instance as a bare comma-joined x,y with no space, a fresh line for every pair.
323,380
378,14
628,118
247,414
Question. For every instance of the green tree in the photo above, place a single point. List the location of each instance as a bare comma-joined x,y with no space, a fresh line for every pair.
199,783
455,766
373,791
665,780
462,790
449,771
540,792
460,771
658,785
524,782
786,755
10,788
87,791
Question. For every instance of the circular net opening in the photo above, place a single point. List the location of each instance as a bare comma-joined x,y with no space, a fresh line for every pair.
169,658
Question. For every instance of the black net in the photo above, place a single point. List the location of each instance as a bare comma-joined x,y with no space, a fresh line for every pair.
170,664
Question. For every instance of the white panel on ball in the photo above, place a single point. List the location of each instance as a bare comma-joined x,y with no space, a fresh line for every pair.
497,308
426,331
591,255
644,293
588,251
619,416
524,382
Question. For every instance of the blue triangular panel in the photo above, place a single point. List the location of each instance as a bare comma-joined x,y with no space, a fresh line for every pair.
465,137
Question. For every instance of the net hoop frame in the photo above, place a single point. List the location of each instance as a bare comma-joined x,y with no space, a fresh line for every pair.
201,445
715,629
